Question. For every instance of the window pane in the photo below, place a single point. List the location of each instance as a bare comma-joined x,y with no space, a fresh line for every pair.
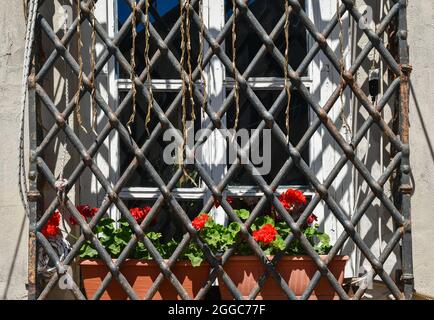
248,43
163,16
250,119
141,178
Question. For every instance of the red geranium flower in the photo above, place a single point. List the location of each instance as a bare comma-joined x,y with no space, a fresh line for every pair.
311,219
291,198
140,213
200,221
85,211
282,200
295,197
266,234
51,228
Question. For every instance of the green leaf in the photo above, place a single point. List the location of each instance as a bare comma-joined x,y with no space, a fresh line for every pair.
324,238
195,260
242,213
105,225
234,228
86,251
153,236
278,243
283,228
123,223
263,220
114,249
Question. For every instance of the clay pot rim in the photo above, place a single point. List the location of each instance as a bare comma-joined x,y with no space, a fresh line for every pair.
186,263
138,262
290,258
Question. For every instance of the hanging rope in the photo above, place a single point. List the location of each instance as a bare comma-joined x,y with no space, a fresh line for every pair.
93,68
200,57
185,46
148,65
61,182
133,66
80,73
287,85
30,37
234,64
190,71
342,115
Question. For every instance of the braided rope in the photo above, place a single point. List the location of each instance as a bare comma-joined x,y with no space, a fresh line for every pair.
30,37
61,182
234,65
133,66
342,115
80,74
148,65
200,57
190,71
287,85
93,67
185,31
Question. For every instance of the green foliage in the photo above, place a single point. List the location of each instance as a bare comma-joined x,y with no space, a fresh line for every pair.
114,240
115,237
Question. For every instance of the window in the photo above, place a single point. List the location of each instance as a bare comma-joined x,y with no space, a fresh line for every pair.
266,81
265,78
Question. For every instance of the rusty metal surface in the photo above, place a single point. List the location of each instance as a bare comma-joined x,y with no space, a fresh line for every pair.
399,140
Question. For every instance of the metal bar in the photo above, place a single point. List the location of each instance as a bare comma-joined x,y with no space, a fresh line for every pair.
405,187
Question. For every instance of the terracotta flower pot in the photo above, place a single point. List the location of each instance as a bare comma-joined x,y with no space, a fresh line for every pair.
245,271
141,275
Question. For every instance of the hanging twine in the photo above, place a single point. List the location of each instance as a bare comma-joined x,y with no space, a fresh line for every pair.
93,68
185,46
200,57
61,182
342,115
80,73
148,66
190,71
133,66
234,65
287,85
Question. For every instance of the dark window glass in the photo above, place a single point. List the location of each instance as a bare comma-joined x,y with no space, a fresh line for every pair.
141,178
163,16
250,119
248,43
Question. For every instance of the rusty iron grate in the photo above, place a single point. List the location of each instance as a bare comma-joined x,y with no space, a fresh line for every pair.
399,207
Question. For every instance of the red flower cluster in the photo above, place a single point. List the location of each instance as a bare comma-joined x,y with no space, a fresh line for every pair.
140,213
266,234
292,197
200,221
51,228
311,219
85,211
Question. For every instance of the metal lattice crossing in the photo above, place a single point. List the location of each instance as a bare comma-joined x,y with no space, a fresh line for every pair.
399,207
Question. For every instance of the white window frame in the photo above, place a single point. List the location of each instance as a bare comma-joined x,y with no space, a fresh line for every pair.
321,80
